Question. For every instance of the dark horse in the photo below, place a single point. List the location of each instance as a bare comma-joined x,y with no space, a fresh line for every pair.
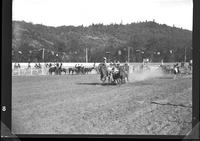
52,69
57,70
72,70
79,70
63,70
88,70
60,69
121,75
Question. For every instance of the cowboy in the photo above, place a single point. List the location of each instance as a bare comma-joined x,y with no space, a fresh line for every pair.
126,65
39,65
176,68
190,65
109,68
105,61
19,65
57,65
118,64
29,66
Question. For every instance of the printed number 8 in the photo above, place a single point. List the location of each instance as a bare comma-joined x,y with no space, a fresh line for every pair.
3,108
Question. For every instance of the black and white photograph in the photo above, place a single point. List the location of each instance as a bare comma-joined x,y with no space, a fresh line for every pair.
102,67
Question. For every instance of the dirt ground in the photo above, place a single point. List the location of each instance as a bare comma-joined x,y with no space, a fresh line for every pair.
80,104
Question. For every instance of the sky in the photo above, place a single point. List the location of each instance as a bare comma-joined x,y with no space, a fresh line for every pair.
85,12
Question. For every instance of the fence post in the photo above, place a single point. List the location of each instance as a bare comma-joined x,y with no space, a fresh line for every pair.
42,70
131,69
31,71
162,62
18,71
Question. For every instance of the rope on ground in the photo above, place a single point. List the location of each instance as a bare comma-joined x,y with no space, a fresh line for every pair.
180,105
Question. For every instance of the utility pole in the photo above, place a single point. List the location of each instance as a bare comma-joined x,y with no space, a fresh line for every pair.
185,54
128,54
86,55
43,54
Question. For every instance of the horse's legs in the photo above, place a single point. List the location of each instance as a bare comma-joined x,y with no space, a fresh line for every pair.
103,79
119,81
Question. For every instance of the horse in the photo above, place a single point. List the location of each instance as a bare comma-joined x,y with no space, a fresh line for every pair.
72,70
87,70
104,73
121,75
38,66
63,70
52,69
82,69
166,69
117,77
59,69
17,66
79,69
29,66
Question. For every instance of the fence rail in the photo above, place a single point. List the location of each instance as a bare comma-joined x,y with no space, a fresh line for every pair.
29,71
25,71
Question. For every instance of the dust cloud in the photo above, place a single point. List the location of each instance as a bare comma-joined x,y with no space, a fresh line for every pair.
144,75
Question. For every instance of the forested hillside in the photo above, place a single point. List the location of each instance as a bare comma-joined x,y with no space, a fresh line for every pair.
68,43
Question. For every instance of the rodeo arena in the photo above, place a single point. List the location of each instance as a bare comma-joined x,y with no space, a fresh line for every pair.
102,98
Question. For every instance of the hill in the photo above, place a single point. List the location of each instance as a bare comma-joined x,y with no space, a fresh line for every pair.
68,43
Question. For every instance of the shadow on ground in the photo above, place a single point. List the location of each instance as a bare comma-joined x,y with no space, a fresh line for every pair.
141,83
101,84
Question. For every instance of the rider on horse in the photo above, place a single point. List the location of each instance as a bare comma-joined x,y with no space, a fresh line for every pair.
105,62
113,69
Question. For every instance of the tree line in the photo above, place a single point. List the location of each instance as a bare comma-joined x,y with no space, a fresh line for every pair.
115,41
